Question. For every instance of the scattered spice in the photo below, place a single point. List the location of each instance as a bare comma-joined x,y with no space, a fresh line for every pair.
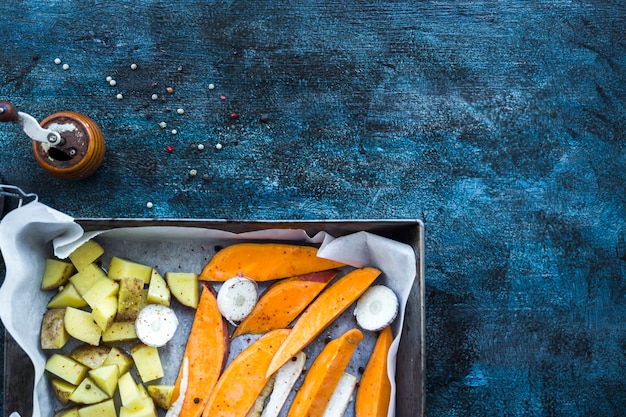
162,125
112,82
57,61
180,111
133,66
211,86
222,97
174,131
66,67
119,96
169,149
155,96
264,118
200,147
149,204
169,90
154,85
234,116
193,172
218,146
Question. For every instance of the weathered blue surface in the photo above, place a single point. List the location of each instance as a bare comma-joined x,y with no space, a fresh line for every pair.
499,123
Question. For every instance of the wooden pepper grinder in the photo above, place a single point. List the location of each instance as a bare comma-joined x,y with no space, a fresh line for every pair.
67,145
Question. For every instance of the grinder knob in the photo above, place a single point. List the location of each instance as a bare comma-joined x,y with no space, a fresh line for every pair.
7,111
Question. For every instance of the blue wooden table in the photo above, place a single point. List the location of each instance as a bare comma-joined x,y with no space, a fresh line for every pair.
500,124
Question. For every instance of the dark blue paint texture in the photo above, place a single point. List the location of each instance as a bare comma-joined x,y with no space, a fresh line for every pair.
499,123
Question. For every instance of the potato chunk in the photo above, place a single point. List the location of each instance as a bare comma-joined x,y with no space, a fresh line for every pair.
87,277
53,334
147,361
106,378
86,254
105,408
120,331
120,268
91,356
62,390
88,392
184,287
67,297
158,291
118,357
56,273
66,368
161,394
129,299
81,325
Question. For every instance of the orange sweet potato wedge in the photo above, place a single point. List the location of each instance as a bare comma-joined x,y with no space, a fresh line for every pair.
333,301
324,374
374,393
207,352
265,262
282,302
244,377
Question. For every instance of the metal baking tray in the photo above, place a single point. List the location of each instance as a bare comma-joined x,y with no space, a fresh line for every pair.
410,371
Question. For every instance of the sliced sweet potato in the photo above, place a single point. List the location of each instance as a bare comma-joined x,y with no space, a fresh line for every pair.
206,351
265,262
324,375
320,313
281,303
374,392
244,377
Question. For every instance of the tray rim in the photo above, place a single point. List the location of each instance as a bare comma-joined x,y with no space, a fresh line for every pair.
418,245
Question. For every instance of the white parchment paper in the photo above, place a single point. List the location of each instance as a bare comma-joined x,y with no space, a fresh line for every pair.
33,232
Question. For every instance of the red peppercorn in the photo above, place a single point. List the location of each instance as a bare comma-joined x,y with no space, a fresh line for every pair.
170,149
234,116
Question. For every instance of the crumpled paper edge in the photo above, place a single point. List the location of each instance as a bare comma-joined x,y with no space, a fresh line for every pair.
59,230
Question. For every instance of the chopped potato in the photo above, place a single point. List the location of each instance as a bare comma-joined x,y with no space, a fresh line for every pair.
100,290
158,291
66,368
67,297
56,273
129,299
104,312
120,268
106,378
87,277
86,254
118,357
62,390
105,408
53,334
81,325
161,394
120,331
130,394
91,356
184,287
147,361
88,392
